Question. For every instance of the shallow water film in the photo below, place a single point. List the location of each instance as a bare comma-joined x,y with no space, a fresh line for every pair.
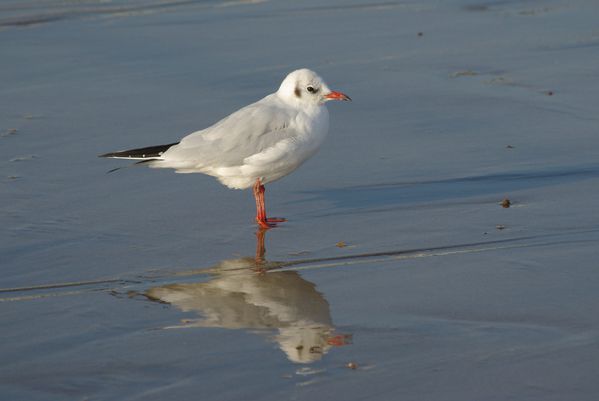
442,245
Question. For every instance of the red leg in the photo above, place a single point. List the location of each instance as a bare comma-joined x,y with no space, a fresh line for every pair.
261,218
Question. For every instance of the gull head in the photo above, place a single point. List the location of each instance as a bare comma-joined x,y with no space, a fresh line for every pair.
305,87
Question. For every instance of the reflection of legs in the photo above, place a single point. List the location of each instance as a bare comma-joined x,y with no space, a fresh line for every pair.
261,218
260,249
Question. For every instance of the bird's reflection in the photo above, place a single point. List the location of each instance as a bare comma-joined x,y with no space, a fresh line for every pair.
247,293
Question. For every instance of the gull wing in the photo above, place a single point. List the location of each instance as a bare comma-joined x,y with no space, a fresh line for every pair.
246,132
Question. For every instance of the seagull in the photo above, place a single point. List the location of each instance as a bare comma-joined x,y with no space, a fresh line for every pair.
255,145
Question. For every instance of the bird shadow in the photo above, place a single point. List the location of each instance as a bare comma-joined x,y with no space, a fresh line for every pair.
423,193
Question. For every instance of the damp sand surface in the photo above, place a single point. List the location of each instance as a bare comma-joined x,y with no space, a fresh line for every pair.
399,274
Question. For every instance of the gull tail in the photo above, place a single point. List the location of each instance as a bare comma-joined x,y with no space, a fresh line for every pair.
149,153
144,155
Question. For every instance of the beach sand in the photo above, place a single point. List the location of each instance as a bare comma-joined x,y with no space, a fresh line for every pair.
399,274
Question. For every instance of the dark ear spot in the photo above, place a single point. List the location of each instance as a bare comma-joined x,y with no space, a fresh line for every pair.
298,92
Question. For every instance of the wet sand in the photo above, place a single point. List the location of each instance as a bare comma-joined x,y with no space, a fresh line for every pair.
398,275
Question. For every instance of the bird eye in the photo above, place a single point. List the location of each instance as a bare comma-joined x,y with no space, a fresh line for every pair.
311,89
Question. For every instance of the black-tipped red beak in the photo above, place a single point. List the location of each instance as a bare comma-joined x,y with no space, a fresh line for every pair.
337,96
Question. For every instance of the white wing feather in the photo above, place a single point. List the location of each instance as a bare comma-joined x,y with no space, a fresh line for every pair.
246,132
265,140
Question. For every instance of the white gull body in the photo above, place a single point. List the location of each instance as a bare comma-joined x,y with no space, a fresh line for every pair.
255,145
264,141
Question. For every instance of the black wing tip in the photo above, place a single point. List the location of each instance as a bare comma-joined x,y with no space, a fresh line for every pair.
148,152
120,155
130,165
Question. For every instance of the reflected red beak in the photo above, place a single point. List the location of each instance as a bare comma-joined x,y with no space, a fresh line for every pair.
337,96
